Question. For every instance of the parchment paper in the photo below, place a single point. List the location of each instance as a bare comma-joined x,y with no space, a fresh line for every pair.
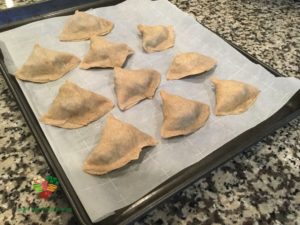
102,195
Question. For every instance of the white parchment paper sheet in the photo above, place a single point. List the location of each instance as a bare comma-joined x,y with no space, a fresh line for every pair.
102,195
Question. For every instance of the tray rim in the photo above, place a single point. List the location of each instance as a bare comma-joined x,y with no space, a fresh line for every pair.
160,193
60,12
21,6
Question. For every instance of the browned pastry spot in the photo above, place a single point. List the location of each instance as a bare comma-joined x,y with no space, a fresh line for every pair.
182,116
157,38
188,64
105,54
233,97
76,107
119,144
44,65
132,86
82,26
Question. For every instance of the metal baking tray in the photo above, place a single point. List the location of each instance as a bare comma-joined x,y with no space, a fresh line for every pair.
174,184
16,16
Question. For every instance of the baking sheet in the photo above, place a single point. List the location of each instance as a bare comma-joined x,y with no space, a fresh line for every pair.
102,195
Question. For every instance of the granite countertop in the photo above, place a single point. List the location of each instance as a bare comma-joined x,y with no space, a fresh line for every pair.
260,186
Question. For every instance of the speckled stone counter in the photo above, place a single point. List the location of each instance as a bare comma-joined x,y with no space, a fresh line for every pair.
260,186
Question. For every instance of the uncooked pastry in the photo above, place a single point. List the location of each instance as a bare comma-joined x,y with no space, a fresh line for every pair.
182,116
75,107
132,86
105,54
44,65
233,97
157,38
119,144
188,64
82,26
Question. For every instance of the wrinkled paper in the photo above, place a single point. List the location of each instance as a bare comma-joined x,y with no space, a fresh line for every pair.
102,195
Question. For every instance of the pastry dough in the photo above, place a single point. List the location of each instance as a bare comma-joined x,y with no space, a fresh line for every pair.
182,116
44,65
105,54
132,86
119,144
75,107
188,64
82,26
233,97
157,38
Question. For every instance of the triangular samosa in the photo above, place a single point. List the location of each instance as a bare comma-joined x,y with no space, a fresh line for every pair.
75,107
182,116
132,86
82,26
105,54
233,97
188,64
119,144
44,65
157,38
